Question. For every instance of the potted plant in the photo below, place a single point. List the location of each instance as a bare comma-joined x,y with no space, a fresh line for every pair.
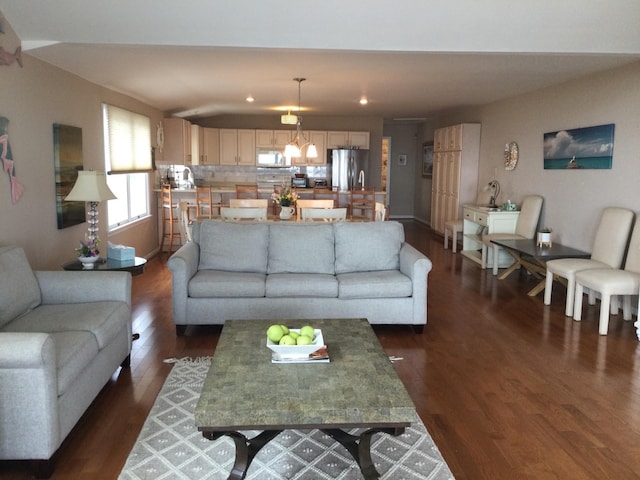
286,197
88,252
544,237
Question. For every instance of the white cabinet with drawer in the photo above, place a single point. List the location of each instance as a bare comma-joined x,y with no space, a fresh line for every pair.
478,220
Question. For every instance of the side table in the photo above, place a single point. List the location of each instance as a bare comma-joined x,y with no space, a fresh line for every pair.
135,266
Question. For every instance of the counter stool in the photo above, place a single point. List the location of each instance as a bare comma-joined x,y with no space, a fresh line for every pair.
169,219
454,227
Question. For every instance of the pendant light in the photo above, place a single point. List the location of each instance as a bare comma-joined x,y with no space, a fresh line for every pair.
294,148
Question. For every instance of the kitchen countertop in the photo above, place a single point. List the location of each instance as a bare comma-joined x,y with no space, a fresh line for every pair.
231,188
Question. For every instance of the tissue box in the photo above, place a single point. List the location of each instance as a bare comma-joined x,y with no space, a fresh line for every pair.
121,253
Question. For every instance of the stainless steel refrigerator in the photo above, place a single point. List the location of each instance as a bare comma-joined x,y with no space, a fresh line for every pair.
349,168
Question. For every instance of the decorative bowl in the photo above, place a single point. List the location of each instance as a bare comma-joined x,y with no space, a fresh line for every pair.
298,350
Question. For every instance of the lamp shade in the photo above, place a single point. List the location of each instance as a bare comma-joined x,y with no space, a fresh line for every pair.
91,186
312,151
288,119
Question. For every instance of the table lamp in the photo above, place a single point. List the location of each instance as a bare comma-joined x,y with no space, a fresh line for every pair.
494,188
91,187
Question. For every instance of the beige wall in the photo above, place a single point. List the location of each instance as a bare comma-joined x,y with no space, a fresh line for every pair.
574,199
33,98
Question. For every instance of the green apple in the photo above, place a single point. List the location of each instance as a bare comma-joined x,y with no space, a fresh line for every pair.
293,334
285,329
304,340
287,340
308,331
275,333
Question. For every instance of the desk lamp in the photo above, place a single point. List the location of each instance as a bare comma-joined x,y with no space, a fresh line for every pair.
91,187
494,187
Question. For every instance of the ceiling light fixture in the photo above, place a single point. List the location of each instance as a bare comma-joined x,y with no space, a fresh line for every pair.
288,119
363,101
294,148
250,99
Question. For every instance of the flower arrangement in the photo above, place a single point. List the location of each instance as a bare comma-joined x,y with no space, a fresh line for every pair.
88,248
285,197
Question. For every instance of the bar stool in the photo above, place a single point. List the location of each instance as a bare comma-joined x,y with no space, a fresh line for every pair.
169,218
454,227
363,201
247,190
205,202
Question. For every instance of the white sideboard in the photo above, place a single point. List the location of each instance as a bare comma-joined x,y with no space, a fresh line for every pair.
479,220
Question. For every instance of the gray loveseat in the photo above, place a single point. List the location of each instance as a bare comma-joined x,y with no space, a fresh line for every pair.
62,336
282,270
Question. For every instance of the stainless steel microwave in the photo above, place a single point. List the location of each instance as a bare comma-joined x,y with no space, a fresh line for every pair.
271,158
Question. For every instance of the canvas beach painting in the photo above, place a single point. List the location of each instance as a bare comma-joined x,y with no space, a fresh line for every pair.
580,148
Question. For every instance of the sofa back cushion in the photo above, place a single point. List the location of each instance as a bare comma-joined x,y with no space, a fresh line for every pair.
301,248
368,246
19,289
233,247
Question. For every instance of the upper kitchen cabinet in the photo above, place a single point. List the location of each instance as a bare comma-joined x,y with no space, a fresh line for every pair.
319,139
177,141
205,145
276,139
348,139
237,147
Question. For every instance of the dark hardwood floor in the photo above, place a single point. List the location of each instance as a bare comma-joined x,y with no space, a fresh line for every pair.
508,388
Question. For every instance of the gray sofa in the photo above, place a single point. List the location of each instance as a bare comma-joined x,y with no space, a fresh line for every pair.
282,270
62,336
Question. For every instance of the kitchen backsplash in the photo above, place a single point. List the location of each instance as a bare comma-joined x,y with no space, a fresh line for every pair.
232,173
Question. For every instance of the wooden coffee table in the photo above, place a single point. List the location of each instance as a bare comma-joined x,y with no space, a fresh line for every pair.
358,388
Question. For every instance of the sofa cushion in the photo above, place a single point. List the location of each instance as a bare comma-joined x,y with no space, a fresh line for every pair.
215,283
380,284
301,248
19,290
302,285
368,246
103,320
74,351
233,247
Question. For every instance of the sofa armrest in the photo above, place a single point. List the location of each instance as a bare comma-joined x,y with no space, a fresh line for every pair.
80,287
183,265
416,266
28,395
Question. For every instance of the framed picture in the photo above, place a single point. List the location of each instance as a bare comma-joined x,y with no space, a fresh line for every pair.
427,159
67,157
580,148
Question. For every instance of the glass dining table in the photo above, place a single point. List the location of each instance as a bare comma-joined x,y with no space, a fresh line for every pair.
527,254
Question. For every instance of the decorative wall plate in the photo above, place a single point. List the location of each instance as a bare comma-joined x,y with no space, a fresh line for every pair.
510,155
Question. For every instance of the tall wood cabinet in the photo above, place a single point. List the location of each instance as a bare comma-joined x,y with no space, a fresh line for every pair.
456,153
177,141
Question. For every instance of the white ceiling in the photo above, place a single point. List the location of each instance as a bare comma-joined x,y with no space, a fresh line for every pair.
410,58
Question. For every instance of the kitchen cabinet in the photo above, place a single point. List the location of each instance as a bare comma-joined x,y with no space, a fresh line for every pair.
320,140
177,141
455,172
205,145
478,220
237,147
276,139
348,139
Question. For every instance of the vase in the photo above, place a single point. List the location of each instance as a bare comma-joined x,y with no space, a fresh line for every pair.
544,239
286,213
87,262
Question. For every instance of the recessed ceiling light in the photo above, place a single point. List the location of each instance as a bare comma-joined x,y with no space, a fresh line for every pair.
250,99
363,101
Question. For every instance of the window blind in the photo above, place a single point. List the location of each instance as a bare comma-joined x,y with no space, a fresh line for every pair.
128,140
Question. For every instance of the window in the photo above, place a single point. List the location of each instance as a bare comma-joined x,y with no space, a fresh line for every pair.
127,146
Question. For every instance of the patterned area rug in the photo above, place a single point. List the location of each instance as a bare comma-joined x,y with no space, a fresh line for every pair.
170,447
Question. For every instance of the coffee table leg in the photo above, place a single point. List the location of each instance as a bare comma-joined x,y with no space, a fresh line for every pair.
360,447
246,449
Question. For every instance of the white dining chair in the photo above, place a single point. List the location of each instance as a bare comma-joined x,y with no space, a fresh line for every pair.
243,213
324,214
608,250
525,229
381,212
611,284
308,203
248,202
184,223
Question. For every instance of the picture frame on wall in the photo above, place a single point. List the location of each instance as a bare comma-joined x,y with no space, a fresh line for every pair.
427,159
579,148
67,157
